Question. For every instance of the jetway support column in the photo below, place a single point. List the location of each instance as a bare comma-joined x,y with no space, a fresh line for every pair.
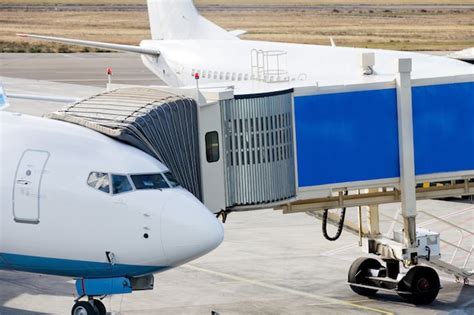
407,159
373,217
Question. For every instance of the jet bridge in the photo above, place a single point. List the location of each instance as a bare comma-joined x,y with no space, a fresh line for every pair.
314,148
304,147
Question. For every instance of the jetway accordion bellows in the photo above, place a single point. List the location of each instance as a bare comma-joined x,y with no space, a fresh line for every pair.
259,153
158,122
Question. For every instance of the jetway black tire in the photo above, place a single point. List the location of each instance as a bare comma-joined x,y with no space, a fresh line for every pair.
101,310
423,283
84,306
357,273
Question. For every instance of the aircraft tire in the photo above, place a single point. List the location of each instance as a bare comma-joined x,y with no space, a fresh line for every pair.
100,307
83,308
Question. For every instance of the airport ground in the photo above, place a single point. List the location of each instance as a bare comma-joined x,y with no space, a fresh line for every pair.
395,24
269,263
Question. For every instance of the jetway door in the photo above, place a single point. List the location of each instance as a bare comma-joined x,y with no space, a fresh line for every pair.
258,148
27,186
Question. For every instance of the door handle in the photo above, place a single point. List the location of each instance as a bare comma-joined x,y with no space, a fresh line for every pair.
23,182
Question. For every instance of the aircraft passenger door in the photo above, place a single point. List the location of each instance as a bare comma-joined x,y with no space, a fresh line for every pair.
27,186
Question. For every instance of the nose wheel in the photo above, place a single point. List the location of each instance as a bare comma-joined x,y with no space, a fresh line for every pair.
91,307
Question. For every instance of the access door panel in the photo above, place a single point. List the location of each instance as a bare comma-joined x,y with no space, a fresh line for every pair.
27,186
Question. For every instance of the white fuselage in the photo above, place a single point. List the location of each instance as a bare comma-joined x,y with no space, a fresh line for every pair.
230,61
52,221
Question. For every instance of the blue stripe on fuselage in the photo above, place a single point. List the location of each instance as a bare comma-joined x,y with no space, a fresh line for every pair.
73,268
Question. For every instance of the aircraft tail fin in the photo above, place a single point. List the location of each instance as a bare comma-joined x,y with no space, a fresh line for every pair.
179,19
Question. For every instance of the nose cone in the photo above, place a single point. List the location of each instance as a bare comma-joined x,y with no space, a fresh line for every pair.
188,229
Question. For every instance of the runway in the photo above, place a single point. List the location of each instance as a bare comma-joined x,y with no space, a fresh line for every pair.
269,263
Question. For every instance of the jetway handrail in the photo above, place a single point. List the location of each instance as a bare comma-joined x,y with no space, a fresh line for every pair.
461,230
440,219
446,222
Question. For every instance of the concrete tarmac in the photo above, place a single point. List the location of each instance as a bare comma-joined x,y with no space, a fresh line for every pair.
85,69
269,263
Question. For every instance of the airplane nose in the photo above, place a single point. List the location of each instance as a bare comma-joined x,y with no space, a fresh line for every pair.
188,229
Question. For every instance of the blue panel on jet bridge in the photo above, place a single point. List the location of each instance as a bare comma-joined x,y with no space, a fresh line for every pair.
443,127
346,137
353,136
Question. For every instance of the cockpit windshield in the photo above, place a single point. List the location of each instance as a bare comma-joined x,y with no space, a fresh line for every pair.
149,181
171,179
123,183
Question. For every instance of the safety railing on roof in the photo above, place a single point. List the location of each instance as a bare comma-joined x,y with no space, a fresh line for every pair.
269,65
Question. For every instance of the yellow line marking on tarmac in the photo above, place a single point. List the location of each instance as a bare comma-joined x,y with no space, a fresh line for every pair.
323,304
288,290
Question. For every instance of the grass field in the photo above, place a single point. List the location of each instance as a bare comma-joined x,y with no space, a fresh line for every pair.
402,28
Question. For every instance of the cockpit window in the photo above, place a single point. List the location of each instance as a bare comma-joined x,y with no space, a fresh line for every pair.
99,181
149,181
171,179
120,184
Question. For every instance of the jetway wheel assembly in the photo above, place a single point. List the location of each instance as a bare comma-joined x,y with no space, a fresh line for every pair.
423,284
419,286
360,269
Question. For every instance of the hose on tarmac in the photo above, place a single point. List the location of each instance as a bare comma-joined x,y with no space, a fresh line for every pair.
339,226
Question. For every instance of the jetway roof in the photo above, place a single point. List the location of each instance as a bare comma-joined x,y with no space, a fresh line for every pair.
156,121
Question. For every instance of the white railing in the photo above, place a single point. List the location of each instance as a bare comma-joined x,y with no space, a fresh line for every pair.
457,247
269,65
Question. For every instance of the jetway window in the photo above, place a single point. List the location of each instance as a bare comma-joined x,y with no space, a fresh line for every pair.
149,181
212,146
99,181
120,184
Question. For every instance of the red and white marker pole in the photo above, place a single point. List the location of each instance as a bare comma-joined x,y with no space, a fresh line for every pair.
196,76
109,74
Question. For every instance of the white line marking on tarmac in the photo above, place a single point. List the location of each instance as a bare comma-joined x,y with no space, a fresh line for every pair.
288,290
338,250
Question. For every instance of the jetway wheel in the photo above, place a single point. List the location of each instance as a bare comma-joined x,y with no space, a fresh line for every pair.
423,283
358,272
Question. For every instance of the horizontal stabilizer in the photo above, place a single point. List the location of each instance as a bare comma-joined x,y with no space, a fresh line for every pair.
48,98
238,33
101,45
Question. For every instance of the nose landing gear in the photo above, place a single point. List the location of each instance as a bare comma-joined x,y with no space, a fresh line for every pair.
419,286
91,307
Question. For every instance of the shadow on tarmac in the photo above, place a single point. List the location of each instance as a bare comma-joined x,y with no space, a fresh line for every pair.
14,284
